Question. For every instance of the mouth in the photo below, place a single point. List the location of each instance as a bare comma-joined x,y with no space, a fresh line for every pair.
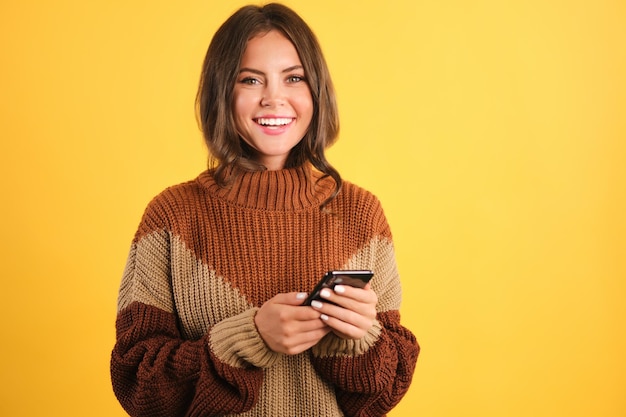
274,121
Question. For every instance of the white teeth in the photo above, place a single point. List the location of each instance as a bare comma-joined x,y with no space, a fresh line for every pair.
273,122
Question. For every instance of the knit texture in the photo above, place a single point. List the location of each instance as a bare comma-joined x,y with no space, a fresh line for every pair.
202,262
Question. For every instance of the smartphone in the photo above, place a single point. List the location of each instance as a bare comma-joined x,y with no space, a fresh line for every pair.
354,278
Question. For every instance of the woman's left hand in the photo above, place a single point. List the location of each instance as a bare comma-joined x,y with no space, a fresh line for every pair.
353,312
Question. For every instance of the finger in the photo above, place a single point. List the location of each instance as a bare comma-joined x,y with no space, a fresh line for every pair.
302,341
290,298
344,329
297,349
344,297
295,319
344,315
311,323
363,295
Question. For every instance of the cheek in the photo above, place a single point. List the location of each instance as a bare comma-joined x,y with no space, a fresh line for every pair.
238,106
304,105
241,109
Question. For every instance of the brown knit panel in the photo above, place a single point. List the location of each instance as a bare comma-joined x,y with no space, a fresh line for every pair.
263,252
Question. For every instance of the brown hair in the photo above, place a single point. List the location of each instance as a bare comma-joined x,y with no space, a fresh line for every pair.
215,93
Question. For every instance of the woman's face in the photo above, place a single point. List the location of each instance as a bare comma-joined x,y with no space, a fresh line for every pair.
273,106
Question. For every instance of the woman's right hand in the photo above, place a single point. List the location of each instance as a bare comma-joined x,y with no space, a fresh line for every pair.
288,327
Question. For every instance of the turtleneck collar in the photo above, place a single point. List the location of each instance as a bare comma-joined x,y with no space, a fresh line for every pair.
282,190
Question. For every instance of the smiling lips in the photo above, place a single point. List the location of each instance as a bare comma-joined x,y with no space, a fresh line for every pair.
274,122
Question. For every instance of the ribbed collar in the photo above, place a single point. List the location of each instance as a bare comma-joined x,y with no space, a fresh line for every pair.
282,190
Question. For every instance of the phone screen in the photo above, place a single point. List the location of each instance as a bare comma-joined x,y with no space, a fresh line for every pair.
354,278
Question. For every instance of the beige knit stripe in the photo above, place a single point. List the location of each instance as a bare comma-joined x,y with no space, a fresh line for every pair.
237,342
292,387
379,256
203,298
146,276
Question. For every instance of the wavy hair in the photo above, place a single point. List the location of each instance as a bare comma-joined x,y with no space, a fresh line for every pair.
228,153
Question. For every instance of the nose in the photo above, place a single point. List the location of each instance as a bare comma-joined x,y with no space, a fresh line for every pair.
273,95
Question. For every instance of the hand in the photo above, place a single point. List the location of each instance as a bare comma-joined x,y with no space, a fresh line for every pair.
287,327
354,313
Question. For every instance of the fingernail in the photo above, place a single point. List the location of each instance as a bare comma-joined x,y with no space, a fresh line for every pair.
324,317
325,293
340,289
301,296
316,304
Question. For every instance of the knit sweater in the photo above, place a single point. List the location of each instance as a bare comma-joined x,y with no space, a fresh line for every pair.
202,262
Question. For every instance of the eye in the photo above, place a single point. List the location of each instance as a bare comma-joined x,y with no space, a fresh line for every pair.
250,81
295,79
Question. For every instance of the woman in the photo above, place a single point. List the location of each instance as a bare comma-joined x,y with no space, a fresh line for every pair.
210,315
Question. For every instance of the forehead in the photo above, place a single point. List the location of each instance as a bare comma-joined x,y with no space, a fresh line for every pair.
270,49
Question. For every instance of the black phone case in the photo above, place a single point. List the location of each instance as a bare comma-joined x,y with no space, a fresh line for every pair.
355,278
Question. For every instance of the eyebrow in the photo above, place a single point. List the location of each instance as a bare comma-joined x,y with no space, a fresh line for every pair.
255,71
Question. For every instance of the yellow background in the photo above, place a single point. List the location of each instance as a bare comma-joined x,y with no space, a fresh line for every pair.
493,132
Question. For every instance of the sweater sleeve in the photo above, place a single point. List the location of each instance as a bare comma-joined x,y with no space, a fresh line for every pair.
371,375
155,370
371,383
157,373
